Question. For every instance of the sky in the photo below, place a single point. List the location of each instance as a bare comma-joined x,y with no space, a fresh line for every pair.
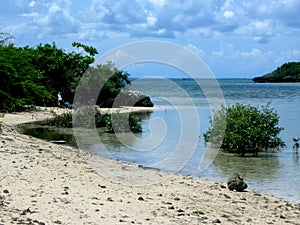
236,39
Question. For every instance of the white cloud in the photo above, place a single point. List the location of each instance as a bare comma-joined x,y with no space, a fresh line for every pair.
158,2
151,20
31,4
260,31
33,14
228,14
58,21
195,49
287,56
285,11
253,53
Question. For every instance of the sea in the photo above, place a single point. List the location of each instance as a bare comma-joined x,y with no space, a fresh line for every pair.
172,137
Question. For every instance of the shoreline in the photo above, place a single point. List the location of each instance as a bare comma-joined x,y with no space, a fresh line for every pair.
46,183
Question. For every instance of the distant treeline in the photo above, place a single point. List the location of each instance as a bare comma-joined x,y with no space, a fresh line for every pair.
35,75
288,72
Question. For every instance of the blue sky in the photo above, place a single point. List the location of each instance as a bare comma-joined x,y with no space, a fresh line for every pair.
242,38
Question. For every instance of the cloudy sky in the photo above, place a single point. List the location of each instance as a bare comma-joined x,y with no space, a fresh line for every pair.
242,38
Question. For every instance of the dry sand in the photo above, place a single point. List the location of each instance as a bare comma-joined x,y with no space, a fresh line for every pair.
45,183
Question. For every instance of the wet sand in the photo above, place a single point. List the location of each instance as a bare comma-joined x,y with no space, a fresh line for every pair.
46,183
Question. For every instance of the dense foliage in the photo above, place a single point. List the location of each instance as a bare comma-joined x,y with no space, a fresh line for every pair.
34,76
114,123
103,81
248,129
288,72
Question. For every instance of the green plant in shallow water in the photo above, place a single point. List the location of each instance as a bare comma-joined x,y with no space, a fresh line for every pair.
248,129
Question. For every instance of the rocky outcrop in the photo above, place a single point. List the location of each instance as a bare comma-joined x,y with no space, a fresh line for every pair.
134,98
235,182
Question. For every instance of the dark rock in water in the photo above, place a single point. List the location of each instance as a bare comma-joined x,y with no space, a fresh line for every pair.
144,102
235,182
134,98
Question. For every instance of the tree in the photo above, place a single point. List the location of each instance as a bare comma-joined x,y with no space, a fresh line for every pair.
34,76
62,70
248,129
6,39
20,81
102,83
287,72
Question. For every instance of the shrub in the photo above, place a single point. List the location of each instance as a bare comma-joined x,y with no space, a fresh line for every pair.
124,123
248,129
114,123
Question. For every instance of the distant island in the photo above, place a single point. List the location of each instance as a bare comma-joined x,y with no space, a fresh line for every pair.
288,72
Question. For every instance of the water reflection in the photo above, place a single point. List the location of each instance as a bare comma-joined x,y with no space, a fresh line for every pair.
296,158
261,168
48,133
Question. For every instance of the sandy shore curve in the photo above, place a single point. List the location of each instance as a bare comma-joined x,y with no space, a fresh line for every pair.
45,183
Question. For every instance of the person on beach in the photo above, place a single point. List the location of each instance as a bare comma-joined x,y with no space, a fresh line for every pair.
59,100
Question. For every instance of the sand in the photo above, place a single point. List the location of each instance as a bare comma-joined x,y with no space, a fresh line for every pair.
46,183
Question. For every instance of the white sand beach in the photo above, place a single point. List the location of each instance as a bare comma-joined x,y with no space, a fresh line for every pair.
45,183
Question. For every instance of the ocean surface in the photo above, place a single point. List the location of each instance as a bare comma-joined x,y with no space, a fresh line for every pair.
273,173
172,137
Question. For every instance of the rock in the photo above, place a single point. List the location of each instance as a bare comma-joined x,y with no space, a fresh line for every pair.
134,98
235,182
141,199
197,213
282,217
216,221
110,199
227,196
25,211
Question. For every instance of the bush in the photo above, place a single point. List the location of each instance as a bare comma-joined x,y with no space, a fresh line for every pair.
124,123
114,123
105,78
248,129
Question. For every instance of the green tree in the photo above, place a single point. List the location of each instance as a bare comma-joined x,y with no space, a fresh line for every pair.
34,76
248,129
6,39
20,81
62,70
287,72
103,82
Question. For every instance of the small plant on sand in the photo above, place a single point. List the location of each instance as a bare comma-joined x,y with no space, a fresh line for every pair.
248,129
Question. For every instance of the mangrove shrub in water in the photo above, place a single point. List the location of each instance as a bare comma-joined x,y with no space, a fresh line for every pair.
248,129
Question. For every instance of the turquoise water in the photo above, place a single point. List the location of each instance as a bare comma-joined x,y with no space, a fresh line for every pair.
273,173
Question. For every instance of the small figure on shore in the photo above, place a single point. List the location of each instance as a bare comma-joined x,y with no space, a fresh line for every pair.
59,100
235,182
68,105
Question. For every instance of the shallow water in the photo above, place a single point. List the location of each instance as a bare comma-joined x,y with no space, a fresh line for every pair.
172,137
